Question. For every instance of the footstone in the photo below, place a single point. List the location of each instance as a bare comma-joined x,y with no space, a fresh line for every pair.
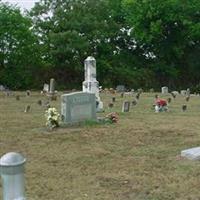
191,154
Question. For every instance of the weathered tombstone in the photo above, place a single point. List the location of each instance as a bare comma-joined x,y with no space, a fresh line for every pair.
120,88
28,93
2,88
169,100
12,173
113,99
46,88
110,105
122,95
27,108
183,92
173,94
137,96
191,154
17,97
91,85
39,102
126,106
77,107
188,92
164,90
187,98
134,102
151,90
52,86
140,90
184,108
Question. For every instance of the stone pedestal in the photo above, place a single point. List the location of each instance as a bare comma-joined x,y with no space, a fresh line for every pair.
91,85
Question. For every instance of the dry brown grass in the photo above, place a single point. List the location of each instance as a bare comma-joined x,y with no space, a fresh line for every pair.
136,159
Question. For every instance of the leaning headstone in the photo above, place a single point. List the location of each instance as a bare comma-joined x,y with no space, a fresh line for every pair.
120,88
164,90
191,154
126,106
77,107
91,85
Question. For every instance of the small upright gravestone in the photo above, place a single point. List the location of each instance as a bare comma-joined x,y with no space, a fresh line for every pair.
45,88
52,93
77,107
164,90
126,106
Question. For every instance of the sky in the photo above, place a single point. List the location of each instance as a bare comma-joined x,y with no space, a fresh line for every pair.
24,4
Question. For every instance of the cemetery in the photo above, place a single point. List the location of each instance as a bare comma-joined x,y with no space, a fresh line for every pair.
99,100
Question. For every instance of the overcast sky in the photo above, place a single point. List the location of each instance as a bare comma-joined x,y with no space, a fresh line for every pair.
24,4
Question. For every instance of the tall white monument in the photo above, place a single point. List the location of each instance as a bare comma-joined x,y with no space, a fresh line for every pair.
91,85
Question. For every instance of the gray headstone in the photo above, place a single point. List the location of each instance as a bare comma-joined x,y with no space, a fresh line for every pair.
192,154
126,106
164,90
183,92
52,86
120,88
77,107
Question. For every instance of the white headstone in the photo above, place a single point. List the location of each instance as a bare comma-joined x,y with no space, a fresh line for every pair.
183,92
91,85
164,90
192,154
77,107
46,88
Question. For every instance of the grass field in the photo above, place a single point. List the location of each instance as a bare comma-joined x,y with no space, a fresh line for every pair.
136,159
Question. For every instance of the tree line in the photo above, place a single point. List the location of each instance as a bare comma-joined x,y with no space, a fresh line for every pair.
138,43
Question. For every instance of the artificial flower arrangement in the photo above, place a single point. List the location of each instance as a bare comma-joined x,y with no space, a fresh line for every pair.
113,117
52,117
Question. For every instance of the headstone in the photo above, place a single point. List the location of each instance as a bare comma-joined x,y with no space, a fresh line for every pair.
164,90
27,108
17,97
110,105
77,107
2,88
187,98
39,102
151,90
91,85
122,95
183,92
46,88
169,100
137,96
191,154
52,86
113,99
188,92
28,93
184,107
134,102
120,88
126,106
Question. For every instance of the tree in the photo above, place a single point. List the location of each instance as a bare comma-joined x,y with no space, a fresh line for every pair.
71,30
18,48
169,33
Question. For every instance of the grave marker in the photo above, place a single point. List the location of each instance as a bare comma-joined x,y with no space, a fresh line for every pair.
77,107
126,106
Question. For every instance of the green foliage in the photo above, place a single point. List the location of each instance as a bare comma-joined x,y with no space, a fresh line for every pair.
18,51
